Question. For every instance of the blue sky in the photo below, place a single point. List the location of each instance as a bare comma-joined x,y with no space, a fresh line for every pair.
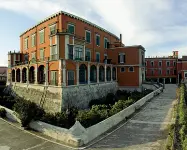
158,25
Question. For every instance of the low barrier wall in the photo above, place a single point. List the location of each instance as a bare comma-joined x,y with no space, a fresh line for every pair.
77,135
12,115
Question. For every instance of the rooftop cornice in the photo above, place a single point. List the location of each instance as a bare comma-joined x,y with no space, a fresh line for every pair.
72,16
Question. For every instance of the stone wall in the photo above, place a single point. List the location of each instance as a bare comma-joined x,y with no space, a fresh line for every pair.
47,97
81,95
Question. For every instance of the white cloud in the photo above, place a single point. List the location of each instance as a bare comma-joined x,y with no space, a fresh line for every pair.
151,23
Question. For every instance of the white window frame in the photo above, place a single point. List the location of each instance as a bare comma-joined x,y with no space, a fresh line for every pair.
71,24
99,56
121,70
43,51
122,58
26,43
52,54
52,26
43,36
105,46
174,62
87,49
99,39
167,72
167,63
151,63
33,40
129,69
86,36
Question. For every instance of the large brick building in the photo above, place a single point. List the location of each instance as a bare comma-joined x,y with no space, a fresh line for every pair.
76,58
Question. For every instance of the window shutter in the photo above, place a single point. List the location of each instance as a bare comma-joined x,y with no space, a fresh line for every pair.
118,58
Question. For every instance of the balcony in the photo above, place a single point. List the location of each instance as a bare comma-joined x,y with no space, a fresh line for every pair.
66,31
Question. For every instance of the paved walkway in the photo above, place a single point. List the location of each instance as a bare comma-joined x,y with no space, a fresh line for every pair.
12,138
147,129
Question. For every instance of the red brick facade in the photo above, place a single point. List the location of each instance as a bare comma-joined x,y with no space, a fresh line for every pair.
65,46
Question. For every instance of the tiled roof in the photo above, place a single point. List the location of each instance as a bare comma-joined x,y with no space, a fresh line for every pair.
73,16
3,70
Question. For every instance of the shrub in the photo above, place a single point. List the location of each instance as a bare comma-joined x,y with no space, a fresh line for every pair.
88,118
28,111
99,101
110,99
2,113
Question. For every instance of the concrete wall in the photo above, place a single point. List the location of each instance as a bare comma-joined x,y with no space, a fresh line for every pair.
81,95
50,97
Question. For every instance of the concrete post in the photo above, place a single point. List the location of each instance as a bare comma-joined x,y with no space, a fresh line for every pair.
47,72
88,73
77,68
21,75
36,74
27,76
15,75
64,72
105,73
111,73
97,73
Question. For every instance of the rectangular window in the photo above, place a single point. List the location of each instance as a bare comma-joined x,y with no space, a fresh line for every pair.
105,43
33,40
88,36
71,77
121,58
105,58
78,52
88,55
26,43
53,78
168,63
122,69
53,53
33,57
160,63
152,72
41,33
168,71
52,29
97,57
97,39
152,63
160,72
71,28
42,54
174,63
70,54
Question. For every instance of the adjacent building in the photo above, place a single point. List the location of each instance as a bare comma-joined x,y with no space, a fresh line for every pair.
74,60
169,69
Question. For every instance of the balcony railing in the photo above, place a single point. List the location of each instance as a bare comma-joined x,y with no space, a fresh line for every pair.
68,32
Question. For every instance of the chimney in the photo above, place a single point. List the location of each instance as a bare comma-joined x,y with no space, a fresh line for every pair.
121,38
